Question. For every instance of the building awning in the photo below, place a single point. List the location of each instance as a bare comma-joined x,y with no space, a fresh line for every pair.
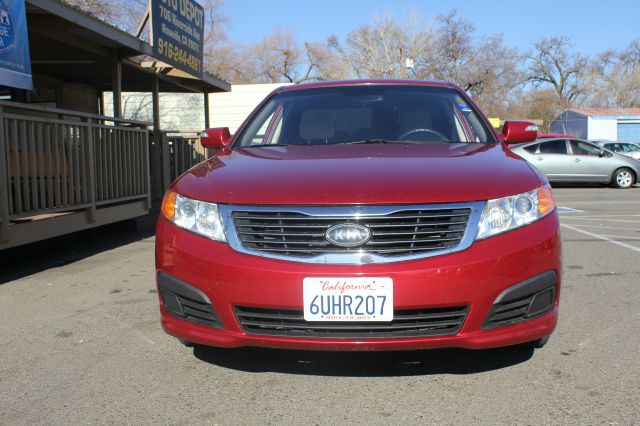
77,47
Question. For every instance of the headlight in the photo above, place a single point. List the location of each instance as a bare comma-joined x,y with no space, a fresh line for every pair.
196,216
504,214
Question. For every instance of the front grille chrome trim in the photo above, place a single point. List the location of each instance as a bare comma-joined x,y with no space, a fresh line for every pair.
355,212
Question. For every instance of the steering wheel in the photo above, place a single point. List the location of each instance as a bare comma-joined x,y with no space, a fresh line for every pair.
440,136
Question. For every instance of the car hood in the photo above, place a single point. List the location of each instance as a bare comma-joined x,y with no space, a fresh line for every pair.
359,174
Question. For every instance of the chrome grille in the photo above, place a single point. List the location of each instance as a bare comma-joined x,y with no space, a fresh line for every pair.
396,232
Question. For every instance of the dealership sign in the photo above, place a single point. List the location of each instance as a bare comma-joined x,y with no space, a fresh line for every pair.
177,31
15,66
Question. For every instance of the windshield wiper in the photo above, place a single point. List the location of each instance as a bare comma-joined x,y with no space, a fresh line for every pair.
265,145
378,141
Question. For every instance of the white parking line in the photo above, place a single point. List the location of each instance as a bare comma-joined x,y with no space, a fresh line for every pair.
606,227
602,237
568,210
608,215
604,219
595,203
622,236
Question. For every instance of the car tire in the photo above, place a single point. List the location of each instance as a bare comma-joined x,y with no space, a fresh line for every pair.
622,178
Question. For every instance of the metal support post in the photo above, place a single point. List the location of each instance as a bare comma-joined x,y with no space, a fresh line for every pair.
116,82
206,111
4,182
91,172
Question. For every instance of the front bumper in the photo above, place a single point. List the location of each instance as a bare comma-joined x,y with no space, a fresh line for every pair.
476,277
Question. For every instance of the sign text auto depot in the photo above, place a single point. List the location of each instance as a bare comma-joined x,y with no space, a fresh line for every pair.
177,33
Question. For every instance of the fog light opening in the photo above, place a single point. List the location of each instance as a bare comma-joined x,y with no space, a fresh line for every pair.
541,303
172,304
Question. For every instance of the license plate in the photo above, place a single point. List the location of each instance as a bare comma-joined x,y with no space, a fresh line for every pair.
348,299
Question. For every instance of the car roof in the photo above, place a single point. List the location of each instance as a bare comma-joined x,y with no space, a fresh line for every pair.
549,138
603,143
541,140
565,138
555,135
365,82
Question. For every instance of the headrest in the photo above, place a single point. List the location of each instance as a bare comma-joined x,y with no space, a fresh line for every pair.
415,119
317,124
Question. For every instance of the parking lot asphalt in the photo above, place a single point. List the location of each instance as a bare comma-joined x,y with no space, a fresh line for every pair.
82,344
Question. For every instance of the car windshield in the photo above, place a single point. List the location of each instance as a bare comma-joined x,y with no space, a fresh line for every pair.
365,114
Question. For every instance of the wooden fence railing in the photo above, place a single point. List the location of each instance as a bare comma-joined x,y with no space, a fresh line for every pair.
54,160
185,152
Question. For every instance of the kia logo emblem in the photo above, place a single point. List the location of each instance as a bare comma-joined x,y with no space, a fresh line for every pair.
348,235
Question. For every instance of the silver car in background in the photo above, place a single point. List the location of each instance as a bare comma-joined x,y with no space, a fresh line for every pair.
576,160
628,149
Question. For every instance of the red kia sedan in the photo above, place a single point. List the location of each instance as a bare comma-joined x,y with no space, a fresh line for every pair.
361,215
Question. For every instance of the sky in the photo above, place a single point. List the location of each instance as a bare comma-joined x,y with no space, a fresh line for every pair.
594,26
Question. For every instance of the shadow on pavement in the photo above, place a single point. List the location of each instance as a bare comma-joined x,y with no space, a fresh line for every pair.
29,259
364,364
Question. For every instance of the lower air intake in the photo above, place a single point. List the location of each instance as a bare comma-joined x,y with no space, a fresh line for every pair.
529,299
406,323
186,302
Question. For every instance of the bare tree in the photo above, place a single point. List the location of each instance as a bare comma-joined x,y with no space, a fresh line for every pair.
124,14
99,8
492,77
374,50
216,22
550,76
325,61
278,57
549,64
221,57
234,63
541,103
616,77
486,70
448,55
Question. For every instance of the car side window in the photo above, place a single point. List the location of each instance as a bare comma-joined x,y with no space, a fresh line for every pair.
629,147
532,148
583,148
557,146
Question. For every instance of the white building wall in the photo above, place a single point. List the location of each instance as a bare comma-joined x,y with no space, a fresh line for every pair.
602,128
229,109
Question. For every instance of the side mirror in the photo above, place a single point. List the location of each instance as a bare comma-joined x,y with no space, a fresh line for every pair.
519,131
602,153
218,137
